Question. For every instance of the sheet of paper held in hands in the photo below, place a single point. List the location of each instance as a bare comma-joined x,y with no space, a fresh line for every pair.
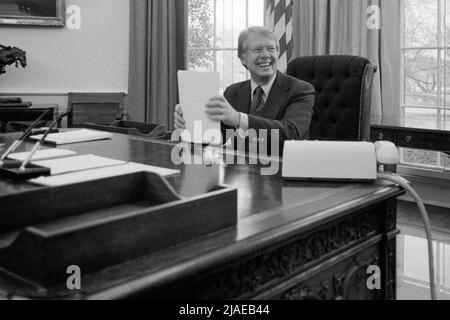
100,173
195,89
42,154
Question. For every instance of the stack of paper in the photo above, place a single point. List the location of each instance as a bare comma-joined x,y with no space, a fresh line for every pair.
101,173
195,90
42,154
78,163
74,136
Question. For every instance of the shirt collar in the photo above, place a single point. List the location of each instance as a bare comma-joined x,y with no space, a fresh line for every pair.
266,87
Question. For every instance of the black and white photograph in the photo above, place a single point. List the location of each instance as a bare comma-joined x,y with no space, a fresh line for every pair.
198,152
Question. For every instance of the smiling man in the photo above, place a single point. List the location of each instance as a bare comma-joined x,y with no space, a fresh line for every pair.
270,100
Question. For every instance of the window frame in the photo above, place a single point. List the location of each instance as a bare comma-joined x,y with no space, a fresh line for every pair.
215,49
442,112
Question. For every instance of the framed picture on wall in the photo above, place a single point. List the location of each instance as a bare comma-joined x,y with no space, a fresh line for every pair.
33,12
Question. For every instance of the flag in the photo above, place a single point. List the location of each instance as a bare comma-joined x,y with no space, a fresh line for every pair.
278,18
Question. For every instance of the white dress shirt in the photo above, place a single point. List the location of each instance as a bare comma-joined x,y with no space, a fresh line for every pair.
243,123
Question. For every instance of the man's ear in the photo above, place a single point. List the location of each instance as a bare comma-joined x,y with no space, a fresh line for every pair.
243,63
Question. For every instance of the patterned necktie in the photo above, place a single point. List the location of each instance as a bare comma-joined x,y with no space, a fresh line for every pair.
258,101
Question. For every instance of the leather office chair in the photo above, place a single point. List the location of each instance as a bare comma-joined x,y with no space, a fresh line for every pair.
343,95
102,108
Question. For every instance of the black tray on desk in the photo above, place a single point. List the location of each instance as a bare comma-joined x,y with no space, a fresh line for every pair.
142,129
15,105
11,169
101,223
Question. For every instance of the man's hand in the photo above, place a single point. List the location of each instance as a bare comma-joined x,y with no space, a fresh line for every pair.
179,122
219,109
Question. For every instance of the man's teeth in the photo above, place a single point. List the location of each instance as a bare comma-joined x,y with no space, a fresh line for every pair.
263,65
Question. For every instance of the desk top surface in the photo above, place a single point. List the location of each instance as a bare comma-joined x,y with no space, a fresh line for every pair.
268,206
257,192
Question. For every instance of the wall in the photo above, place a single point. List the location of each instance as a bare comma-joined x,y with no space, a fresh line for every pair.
91,59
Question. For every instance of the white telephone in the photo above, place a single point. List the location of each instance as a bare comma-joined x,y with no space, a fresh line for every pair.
336,160
355,161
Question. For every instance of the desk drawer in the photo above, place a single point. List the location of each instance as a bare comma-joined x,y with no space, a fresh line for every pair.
414,138
382,134
420,140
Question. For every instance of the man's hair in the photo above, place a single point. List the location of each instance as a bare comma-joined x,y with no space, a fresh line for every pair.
242,41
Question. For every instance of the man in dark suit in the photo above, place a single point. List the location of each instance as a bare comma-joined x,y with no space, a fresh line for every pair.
270,100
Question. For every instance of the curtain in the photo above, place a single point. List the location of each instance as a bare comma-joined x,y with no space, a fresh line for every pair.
322,27
158,42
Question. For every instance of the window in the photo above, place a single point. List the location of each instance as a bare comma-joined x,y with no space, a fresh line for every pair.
426,74
214,27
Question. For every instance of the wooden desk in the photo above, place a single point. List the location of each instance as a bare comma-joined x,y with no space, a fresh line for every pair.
294,240
29,114
414,138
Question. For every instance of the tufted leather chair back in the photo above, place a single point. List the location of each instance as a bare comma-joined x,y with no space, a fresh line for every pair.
343,95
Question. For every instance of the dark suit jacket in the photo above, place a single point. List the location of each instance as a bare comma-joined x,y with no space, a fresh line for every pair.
288,108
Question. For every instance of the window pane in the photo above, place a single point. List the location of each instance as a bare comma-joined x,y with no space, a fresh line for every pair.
201,23
225,67
231,18
445,160
421,118
219,23
422,157
421,23
444,119
239,72
230,68
224,15
445,113
446,77
216,24
447,24
256,13
201,60
427,84
421,80
239,19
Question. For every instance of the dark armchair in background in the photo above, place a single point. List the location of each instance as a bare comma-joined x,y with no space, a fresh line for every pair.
343,95
105,111
102,108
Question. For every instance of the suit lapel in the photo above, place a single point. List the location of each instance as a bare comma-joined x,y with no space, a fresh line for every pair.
242,99
276,97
